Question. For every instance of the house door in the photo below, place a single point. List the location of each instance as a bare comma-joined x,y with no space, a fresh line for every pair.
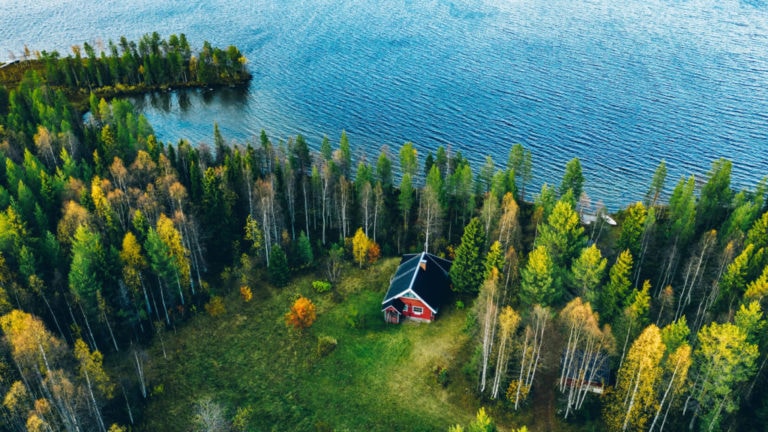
392,318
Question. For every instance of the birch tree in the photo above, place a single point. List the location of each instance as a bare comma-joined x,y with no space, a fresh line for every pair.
134,263
430,208
695,269
530,355
97,381
584,354
631,405
508,323
378,207
674,383
266,214
489,214
509,224
634,318
486,310
405,199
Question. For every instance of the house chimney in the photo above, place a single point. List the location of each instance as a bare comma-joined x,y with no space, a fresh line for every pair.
423,264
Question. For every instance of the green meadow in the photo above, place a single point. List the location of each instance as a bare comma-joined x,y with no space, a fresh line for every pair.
379,376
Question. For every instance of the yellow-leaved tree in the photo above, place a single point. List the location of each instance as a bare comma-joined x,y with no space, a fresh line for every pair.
634,399
360,245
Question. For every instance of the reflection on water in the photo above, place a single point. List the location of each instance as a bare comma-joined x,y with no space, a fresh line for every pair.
179,112
182,101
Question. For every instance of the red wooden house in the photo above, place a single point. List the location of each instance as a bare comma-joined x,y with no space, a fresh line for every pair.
420,285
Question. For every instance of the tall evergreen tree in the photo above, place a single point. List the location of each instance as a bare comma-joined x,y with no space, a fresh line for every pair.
521,163
657,185
538,284
573,179
279,273
714,203
588,271
562,235
617,290
632,228
468,269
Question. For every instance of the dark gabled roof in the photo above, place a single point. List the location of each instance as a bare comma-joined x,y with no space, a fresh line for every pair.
431,285
396,303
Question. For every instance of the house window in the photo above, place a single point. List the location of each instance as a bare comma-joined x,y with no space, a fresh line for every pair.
417,310
405,308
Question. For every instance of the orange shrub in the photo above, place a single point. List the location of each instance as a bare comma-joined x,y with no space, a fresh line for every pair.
302,314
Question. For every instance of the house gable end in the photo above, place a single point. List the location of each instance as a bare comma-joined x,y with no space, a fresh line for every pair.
420,278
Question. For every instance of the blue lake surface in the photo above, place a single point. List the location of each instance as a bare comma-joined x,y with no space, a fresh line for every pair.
618,84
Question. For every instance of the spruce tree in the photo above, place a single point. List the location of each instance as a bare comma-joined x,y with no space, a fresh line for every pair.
304,250
468,269
616,292
538,285
573,179
278,267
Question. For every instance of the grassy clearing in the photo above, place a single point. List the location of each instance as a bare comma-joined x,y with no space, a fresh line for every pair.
379,377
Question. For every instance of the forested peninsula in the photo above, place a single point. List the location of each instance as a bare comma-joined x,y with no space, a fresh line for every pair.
128,67
163,286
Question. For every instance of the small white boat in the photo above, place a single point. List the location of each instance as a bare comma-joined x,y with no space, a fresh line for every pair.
608,219
588,219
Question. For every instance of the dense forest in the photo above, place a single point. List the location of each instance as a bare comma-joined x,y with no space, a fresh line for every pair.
110,239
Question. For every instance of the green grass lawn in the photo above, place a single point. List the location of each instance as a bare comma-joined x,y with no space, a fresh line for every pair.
379,377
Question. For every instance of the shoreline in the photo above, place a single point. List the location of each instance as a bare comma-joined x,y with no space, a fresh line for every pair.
12,74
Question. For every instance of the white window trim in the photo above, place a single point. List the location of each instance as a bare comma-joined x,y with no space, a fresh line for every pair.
405,308
418,310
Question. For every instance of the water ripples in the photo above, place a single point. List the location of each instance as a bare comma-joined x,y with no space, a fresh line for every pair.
619,85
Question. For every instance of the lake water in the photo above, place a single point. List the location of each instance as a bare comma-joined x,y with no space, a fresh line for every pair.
619,84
